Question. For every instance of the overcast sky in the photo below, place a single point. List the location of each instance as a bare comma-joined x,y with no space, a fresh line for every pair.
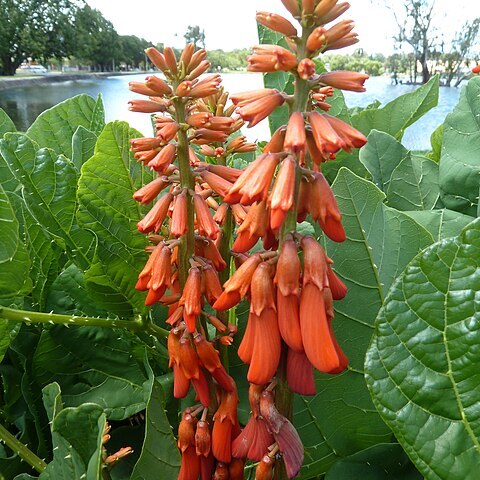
229,24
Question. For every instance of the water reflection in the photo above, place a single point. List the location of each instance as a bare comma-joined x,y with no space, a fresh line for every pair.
23,105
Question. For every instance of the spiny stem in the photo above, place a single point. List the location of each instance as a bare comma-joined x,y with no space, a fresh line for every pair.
23,452
136,325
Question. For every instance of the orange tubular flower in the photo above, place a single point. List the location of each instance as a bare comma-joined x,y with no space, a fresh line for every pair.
292,7
332,14
142,89
216,183
339,31
205,223
147,106
211,361
267,341
282,196
265,468
158,86
295,138
350,136
323,7
254,183
179,224
157,59
236,469
191,298
308,6
151,190
164,158
255,111
238,284
253,227
170,60
202,439
277,23
167,131
186,431
225,426
316,39
324,134
344,80
314,263
190,464
212,286
154,218
306,69
271,58
324,209
300,375
319,342
476,69
221,472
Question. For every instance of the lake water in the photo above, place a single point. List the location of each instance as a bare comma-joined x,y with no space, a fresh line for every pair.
25,104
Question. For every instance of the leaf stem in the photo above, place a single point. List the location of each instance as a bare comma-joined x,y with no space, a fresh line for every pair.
136,325
22,450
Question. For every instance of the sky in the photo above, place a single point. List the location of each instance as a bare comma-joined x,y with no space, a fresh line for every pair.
229,25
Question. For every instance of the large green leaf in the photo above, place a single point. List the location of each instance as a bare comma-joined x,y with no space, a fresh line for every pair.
385,461
409,181
400,113
77,438
414,184
46,257
55,127
441,223
68,295
83,146
436,139
460,158
422,365
8,331
159,452
107,183
14,262
6,123
8,228
92,365
341,419
381,155
48,183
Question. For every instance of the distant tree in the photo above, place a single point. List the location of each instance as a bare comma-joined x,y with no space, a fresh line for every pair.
132,50
195,35
37,29
415,28
97,42
463,43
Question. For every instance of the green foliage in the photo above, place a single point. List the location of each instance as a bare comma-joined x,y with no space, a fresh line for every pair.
358,62
112,215
159,452
383,461
77,438
460,162
422,363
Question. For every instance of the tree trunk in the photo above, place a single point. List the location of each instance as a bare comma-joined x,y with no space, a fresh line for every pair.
9,66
